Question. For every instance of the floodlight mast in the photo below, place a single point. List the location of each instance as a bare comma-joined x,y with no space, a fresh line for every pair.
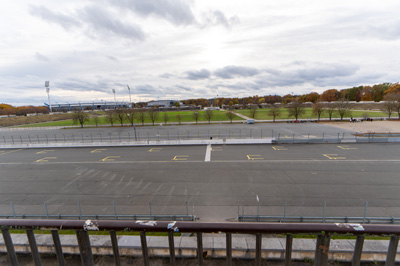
46,85
130,100
115,100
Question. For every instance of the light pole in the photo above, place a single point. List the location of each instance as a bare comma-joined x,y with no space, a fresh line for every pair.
47,84
130,100
115,100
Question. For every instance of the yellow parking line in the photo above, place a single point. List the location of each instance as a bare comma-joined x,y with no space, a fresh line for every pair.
346,147
180,158
44,151
45,159
254,157
6,152
110,158
154,149
98,150
333,157
279,148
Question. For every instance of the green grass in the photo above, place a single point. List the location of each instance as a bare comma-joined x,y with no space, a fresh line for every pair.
186,116
262,114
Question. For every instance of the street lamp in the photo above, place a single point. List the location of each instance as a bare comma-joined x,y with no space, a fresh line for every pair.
47,84
130,100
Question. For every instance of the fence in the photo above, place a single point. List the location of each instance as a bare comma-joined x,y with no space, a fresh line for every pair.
115,215
132,136
323,232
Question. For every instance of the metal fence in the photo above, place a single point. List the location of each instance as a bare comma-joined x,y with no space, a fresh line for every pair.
132,136
116,216
323,232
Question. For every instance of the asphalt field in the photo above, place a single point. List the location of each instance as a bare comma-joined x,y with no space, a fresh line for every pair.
213,180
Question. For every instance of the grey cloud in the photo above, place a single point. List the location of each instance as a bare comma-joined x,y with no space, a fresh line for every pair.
216,17
166,75
178,12
41,57
101,22
186,89
196,75
64,21
146,89
230,72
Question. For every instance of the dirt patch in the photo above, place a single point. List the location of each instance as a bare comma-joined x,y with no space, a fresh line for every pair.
369,127
23,120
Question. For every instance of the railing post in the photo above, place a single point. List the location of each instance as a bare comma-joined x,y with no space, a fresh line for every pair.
357,251
258,249
200,249
114,243
9,245
144,248
84,248
322,249
33,246
229,249
171,248
391,255
57,247
288,249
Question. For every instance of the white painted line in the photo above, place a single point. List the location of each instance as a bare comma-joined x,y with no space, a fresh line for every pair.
208,153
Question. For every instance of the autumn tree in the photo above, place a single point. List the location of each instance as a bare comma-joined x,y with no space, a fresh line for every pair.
80,117
274,111
393,89
177,104
318,109
208,114
296,109
330,95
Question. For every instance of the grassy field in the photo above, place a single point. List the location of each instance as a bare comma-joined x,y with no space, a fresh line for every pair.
186,116
262,114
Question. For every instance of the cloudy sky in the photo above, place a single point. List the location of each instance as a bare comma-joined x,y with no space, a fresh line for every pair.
179,49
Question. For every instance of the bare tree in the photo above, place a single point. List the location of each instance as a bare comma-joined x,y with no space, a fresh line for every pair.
142,116
110,117
318,109
274,111
196,116
153,115
208,114
120,115
179,118
80,117
330,109
390,104
296,109
343,107
230,114
96,120
131,115
253,111
165,116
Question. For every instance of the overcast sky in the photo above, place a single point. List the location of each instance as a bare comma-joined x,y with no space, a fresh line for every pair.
180,49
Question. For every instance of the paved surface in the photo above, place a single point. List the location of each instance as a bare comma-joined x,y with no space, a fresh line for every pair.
214,180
